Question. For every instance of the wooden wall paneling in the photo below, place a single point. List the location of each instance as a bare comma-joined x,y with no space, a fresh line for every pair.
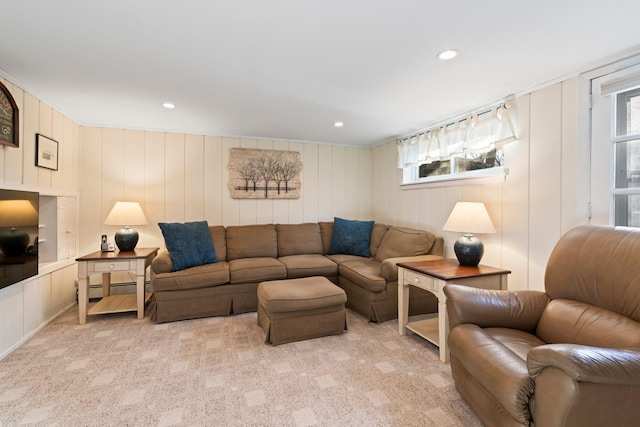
379,190
57,134
31,117
175,174
451,196
3,150
338,181
325,183
3,321
194,178
516,204
44,292
14,313
154,178
570,195
438,212
350,183
13,156
71,154
45,127
310,182
58,302
296,206
545,179
249,211
364,194
90,227
33,315
230,207
112,155
280,207
134,173
69,275
213,179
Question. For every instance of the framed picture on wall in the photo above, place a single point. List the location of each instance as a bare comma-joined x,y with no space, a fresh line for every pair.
8,119
46,152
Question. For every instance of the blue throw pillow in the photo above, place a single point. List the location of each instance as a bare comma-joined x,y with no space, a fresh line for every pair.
189,244
351,237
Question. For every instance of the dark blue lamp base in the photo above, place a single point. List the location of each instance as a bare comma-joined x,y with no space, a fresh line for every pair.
469,250
126,239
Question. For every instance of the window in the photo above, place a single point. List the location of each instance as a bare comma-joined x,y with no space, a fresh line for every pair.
466,148
626,170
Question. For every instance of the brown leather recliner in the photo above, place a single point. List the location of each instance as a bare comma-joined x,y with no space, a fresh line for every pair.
569,356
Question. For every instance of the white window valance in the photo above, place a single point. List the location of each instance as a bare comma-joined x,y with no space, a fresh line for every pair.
473,134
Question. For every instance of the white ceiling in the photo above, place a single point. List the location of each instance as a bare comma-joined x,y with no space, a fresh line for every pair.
288,69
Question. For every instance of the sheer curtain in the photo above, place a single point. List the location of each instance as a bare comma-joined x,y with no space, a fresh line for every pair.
473,134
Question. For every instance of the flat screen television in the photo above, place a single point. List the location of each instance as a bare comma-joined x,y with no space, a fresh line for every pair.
19,213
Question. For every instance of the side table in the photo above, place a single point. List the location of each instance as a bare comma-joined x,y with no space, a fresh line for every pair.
135,261
432,276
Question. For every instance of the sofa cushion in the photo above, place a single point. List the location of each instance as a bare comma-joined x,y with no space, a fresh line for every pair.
309,265
189,244
365,273
299,239
351,237
309,293
252,270
251,241
202,276
377,234
404,242
340,258
573,322
219,238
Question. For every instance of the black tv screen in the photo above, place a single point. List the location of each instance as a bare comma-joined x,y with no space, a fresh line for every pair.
19,213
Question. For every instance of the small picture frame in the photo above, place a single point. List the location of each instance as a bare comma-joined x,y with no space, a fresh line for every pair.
46,152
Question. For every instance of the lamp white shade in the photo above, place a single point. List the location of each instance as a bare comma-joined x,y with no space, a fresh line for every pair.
469,217
126,213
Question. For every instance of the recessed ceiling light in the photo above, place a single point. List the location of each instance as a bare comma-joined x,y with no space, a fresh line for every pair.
338,124
448,54
168,105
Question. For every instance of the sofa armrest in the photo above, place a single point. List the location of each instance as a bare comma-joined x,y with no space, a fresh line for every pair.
162,263
588,364
491,308
389,267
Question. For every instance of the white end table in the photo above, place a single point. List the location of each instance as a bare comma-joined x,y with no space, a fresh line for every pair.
135,261
432,276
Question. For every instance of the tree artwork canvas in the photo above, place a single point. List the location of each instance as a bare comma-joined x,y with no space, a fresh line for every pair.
264,174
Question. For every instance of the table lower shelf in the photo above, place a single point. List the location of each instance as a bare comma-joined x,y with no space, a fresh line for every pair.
427,329
117,304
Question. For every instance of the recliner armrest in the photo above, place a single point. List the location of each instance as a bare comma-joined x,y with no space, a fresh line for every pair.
588,364
490,308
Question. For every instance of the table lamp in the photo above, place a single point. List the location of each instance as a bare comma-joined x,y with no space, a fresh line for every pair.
468,218
129,213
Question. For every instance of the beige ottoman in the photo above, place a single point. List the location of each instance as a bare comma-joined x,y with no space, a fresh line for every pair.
298,309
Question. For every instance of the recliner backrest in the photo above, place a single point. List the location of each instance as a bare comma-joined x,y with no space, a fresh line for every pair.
597,265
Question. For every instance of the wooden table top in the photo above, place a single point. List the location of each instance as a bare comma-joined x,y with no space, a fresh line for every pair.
137,253
450,269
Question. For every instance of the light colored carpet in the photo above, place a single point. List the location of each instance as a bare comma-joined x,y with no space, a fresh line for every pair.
120,371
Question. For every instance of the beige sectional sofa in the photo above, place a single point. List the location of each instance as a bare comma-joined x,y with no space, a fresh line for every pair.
250,254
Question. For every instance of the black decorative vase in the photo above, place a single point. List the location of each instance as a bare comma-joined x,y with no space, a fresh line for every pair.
469,250
126,239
